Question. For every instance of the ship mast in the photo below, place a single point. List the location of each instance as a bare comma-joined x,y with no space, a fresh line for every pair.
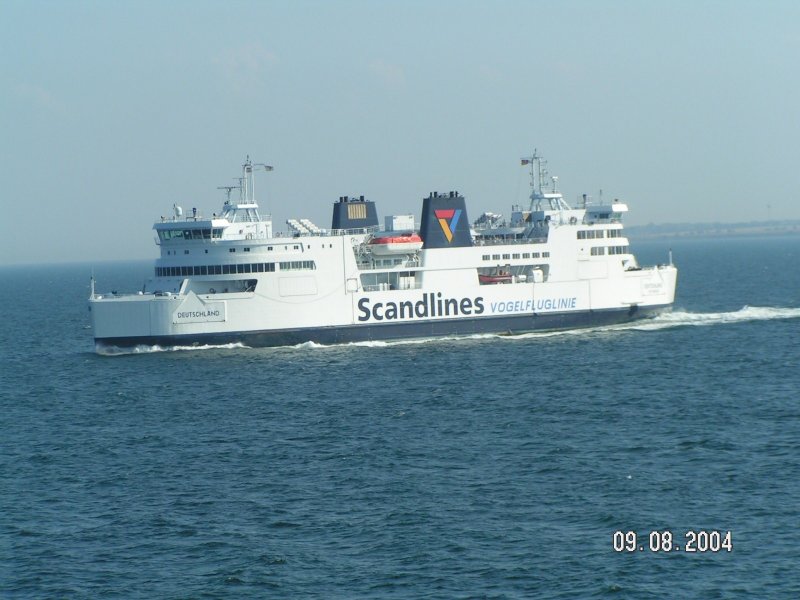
247,207
538,172
539,176
248,179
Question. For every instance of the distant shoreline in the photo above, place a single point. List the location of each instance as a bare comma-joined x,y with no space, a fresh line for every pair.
697,230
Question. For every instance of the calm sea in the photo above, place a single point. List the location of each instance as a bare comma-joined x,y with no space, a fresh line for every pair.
472,468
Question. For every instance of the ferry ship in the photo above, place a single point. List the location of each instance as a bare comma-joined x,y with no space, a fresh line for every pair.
230,279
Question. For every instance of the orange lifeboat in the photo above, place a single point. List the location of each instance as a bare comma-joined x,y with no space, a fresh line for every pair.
396,243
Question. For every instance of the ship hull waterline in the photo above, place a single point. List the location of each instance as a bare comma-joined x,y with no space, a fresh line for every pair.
501,325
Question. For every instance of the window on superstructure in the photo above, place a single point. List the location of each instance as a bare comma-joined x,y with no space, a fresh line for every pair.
247,249
296,265
186,252
486,257
216,233
618,250
231,249
545,255
526,255
495,257
614,233
598,251
506,256
535,255
515,256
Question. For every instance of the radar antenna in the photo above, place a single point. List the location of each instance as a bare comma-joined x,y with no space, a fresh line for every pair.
228,189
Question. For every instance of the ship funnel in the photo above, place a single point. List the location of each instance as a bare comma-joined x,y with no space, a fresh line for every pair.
444,221
354,213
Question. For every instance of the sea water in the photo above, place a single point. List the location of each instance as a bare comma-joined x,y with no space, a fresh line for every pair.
484,467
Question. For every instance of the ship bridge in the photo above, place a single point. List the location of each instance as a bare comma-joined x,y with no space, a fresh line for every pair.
240,220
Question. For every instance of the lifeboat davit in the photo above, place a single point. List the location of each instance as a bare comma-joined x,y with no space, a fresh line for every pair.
396,243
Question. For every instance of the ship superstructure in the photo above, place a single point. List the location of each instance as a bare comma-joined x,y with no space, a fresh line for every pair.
229,278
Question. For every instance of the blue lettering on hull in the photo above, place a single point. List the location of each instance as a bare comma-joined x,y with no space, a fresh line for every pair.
538,305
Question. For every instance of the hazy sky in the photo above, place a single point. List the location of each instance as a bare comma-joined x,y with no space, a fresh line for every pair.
110,112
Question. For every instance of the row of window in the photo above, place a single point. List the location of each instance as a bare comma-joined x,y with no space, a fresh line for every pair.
298,265
516,256
294,265
245,249
592,234
270,248
601,250
190,234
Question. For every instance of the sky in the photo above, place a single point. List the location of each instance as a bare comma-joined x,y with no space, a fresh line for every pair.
111,112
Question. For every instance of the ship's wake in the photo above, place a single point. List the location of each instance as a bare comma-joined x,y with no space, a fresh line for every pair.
664,321
103,350
684,318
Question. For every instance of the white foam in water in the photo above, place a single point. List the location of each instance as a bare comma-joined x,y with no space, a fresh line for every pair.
310,345
746,313
145,349
678,319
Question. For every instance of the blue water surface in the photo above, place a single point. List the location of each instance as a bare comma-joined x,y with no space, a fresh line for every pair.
488,467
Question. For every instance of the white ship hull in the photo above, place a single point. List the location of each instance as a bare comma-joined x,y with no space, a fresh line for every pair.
298,308
330,288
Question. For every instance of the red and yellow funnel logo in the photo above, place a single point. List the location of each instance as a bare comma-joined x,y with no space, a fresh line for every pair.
448,219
